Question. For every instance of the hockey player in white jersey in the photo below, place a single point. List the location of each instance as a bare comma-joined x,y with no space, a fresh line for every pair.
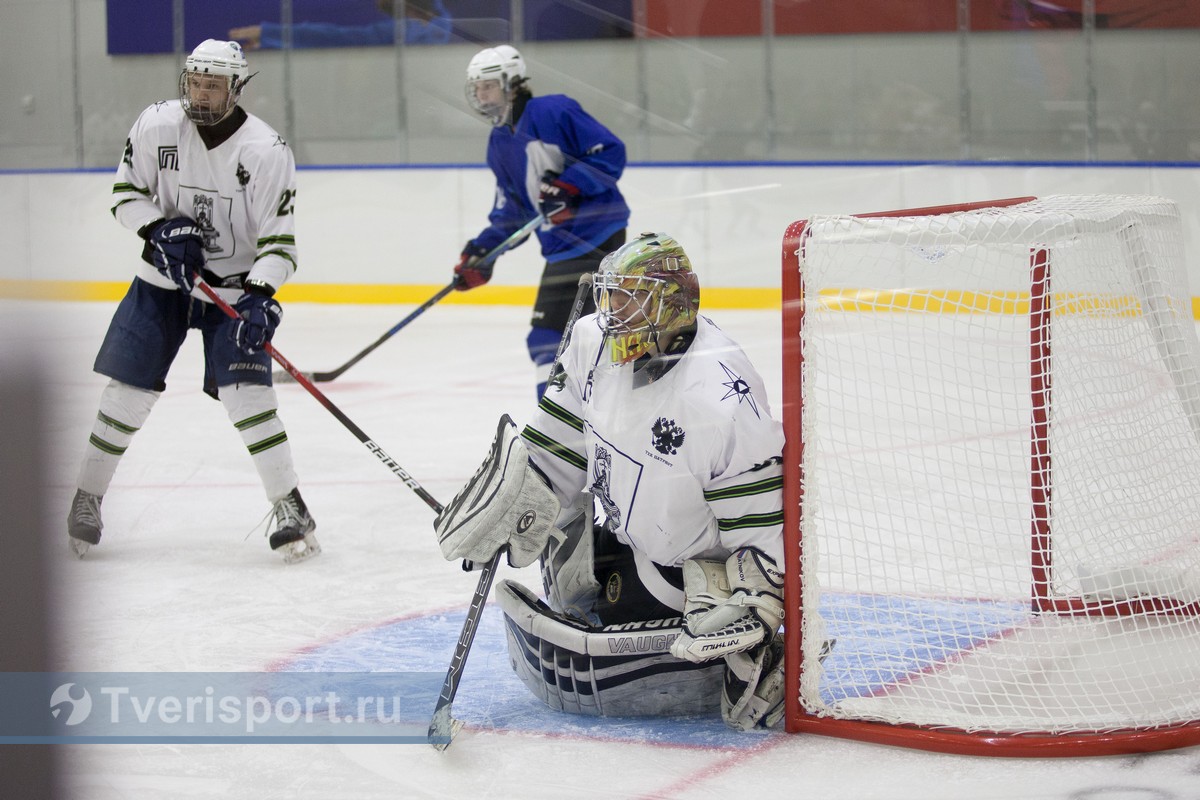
211,190
660,421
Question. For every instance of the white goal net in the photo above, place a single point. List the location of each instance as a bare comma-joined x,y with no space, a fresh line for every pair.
993,425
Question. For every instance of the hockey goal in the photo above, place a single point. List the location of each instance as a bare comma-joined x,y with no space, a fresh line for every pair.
992,493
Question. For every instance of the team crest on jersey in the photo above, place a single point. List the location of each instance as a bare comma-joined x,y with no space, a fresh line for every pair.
666,436
738,388
243,177
602,486
202,212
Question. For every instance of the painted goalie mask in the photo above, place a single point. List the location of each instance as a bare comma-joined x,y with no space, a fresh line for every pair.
645,292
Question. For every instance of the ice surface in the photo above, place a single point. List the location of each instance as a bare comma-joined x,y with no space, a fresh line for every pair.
183,581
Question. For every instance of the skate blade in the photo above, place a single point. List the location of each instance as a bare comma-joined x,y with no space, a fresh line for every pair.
301,549
78,546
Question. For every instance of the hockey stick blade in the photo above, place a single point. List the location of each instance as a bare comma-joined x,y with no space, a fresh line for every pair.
443,726
443,729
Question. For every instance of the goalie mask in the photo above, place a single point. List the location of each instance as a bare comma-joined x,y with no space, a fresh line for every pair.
493,77
645,292
212,80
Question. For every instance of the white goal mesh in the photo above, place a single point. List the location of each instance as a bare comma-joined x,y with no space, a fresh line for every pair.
993,422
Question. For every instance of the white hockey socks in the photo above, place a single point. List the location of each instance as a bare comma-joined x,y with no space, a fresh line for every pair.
123,411
252,410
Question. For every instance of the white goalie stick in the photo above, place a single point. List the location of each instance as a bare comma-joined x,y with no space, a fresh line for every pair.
443,726
512,241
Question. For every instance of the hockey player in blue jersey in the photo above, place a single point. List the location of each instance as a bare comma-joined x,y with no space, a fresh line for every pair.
550,157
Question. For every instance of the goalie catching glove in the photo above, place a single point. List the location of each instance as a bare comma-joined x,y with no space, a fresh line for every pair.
505,504
729,606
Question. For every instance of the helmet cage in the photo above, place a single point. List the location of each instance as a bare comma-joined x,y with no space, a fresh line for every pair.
212,80
652,294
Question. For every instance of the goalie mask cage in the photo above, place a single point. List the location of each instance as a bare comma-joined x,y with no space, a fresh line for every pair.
992,491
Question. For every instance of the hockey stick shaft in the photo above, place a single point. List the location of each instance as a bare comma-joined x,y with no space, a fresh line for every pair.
443,726
378,451
518,236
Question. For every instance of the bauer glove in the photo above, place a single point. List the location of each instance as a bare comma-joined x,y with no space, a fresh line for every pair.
471,271
260,316
178,251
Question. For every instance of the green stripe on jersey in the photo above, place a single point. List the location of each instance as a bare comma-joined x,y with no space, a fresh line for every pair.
751,521
554,448
745,489
559,413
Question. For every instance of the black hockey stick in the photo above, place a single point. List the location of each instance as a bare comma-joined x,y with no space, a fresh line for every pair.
443,726
387,460
492,255
323,377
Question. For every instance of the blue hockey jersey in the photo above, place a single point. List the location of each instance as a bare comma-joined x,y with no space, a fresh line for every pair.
555,134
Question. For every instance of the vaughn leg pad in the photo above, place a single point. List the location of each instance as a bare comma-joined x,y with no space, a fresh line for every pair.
622,670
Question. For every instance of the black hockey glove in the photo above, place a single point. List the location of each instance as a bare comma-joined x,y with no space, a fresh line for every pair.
178,251
558,200
260,316
470,271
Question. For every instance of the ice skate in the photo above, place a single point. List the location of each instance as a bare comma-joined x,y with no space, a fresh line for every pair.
294,526
83,523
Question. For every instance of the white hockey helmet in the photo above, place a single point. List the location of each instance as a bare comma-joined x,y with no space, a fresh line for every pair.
645,292
493,76
212,80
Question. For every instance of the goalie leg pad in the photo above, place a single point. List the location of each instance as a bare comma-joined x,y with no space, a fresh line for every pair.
617,671
729,607
505,504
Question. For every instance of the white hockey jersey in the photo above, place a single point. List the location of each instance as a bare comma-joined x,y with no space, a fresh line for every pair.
686,466
242,194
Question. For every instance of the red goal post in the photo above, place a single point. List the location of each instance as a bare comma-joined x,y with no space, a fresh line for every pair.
992,478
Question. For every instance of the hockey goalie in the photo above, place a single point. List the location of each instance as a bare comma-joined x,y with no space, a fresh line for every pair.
648,483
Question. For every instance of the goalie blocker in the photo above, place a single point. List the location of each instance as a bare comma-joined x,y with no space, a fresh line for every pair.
505,504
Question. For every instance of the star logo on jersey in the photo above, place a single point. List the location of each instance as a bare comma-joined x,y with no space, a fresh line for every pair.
127,156
279,142
666,436
738,388
243,177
